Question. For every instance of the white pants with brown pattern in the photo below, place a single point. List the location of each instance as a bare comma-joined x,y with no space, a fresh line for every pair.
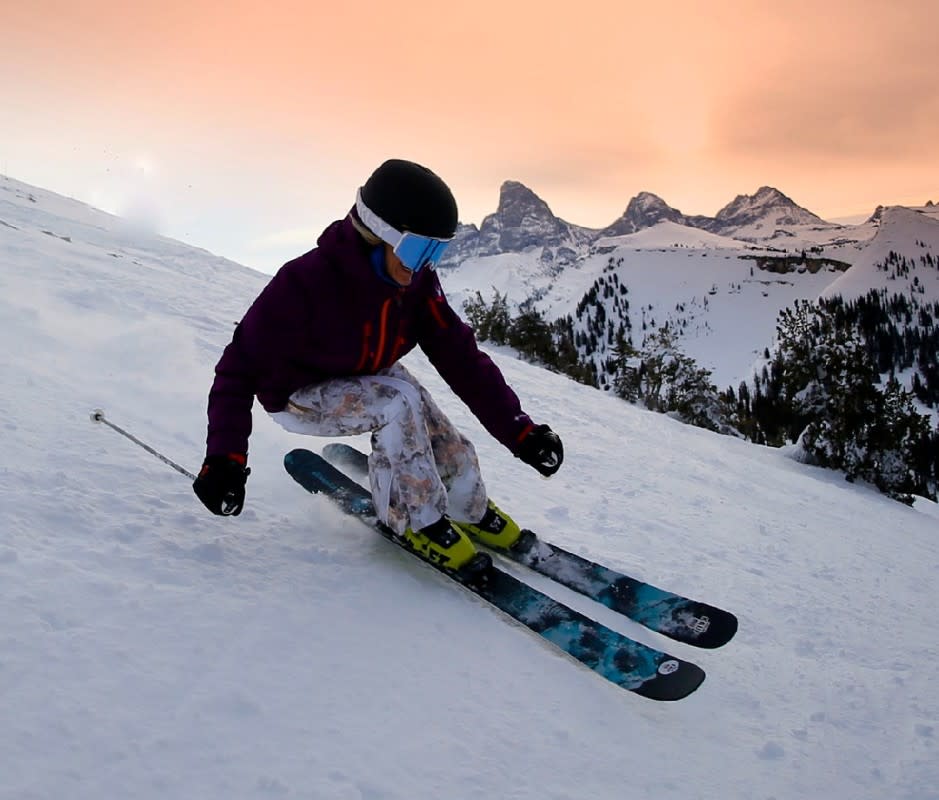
420,468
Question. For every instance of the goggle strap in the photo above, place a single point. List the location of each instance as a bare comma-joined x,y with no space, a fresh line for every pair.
374,223
430,246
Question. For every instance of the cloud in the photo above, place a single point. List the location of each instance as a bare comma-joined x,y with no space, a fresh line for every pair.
877,115
846,85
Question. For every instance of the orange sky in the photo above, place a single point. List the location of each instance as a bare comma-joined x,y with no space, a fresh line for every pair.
245,127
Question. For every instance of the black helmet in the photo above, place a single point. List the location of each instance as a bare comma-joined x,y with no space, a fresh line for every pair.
410,197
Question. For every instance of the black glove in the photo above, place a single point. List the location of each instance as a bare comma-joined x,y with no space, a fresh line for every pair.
221,484
542,449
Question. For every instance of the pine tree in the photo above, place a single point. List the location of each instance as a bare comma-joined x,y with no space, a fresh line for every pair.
624,367
531,336
489,321
850,423
672,382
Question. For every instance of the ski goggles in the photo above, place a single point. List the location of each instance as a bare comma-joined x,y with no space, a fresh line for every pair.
414,250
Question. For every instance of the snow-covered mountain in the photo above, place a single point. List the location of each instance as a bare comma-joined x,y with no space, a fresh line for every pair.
719,283
148,649
524,221
645,210
761,216
766,214
721,299
901,231
901,266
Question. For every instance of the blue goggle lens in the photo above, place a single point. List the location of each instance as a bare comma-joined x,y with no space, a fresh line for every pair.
416,252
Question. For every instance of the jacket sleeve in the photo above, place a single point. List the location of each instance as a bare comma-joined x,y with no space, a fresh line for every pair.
261,350
230,400
451,346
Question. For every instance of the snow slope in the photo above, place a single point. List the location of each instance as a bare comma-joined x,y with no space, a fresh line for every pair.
671,234
148,649
905,231
706,286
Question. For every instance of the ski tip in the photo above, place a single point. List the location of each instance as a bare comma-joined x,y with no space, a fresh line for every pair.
297,454
346,456
299,461
674,680
721,629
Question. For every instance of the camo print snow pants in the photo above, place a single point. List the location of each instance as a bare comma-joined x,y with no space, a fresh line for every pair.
421,467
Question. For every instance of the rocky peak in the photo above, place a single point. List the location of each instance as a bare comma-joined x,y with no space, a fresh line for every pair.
877,216
768,206
644,211
522,220
519,205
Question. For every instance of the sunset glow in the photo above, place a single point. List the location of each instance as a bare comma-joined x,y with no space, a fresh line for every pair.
248,126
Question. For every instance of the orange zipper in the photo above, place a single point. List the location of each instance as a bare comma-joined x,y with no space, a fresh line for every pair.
399,345
437,315
366,335
382,332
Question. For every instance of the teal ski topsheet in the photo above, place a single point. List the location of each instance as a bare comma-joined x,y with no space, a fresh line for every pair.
673,615
621,660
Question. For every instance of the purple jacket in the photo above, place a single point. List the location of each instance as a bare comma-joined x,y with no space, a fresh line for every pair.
327,314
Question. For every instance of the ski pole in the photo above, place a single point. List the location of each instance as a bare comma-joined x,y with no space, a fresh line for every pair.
98,416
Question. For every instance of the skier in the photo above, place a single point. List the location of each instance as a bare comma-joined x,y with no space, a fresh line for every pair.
321,345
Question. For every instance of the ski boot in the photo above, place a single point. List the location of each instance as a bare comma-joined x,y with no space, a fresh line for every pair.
446,545
498,530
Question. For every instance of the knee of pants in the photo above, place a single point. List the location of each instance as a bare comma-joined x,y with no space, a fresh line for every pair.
402,404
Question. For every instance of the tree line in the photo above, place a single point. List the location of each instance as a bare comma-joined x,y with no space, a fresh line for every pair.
824,389
821,388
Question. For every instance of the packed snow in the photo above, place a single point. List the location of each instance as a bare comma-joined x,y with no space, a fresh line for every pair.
149,649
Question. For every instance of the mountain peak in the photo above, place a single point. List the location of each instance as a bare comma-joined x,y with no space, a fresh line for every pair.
648,200
510,186
765,196
517,201
644,210
771,194
522,220
768,207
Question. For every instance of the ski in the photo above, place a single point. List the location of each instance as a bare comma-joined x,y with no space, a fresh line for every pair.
627,663
676,616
